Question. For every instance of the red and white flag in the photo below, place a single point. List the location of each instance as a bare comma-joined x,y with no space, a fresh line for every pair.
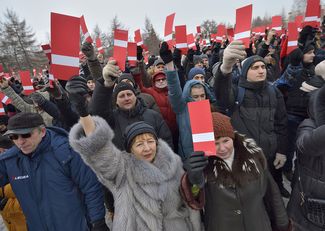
198,29
120,47
47,50
312,14
4,100
292,37
202,127
259,30
99,46
85,30
138,38
298,20
181,38
243,24
26,81
65,43
132,54
169,23
276,23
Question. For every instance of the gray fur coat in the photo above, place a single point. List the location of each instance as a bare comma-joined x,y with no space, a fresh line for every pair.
146,194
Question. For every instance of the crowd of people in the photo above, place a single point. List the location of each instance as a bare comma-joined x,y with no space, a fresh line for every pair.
113,150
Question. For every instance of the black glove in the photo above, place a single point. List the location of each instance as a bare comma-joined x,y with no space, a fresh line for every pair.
190,55
99,226
78,90
88,49
38,98
195,165
296,57
165,53
139,53
177,57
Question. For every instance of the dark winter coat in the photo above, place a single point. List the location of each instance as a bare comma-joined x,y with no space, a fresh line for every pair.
261,115
101,104
310,164
243,198
146,194
55,189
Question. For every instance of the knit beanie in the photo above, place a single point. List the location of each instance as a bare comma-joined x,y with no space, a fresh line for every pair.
308,47
126,76
248,62
222,126
134,130
122,86
195,71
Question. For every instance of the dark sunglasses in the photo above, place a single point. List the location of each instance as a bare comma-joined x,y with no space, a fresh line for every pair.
16,136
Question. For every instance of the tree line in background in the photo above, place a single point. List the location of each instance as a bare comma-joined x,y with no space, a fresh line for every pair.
19,49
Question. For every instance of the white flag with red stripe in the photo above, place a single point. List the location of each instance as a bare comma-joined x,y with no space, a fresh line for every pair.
65,42
84,30
202,127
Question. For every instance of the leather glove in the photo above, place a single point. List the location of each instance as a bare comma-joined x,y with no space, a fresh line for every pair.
279,161
165,53
38,98
139,53
177,57
296,57
190,55
235,50
99,226
78,90
194,166
88,49
110,72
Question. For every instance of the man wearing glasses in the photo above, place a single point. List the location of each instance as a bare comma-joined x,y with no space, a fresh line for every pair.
56,190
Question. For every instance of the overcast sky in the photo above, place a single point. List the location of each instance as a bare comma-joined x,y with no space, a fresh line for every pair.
131,13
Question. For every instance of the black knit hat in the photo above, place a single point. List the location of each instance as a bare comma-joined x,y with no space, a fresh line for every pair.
122,86
23,122
136,129
248,62
127,76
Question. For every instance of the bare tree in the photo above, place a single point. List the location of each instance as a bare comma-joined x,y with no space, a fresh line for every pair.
150,37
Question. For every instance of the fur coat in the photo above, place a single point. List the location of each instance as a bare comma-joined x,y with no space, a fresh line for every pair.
146,194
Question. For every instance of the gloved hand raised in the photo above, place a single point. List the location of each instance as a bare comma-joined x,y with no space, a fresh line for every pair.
78,90
235,50
194,166
279,161
139,53
110,72
165,53
177,57
88,49
38,98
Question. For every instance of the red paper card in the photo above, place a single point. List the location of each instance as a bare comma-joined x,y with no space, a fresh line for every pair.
292,37
243,24
47,50
138,38
65,44
168,33
312,14
202,127
132,54
26,81
191,42
120,47
221,31
181,38
276,23
198,29
85,30
99,46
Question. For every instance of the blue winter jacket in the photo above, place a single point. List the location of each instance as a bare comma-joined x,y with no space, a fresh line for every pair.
55,189
179,100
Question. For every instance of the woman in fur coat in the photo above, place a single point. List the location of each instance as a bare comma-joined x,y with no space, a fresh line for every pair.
144,179
234,187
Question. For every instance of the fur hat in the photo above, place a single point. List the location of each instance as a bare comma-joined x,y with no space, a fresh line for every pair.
122,86
23,122
195,71
136,129
248,62
222,126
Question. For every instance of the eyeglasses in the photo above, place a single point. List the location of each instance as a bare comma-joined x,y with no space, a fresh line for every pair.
16,136
160,80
